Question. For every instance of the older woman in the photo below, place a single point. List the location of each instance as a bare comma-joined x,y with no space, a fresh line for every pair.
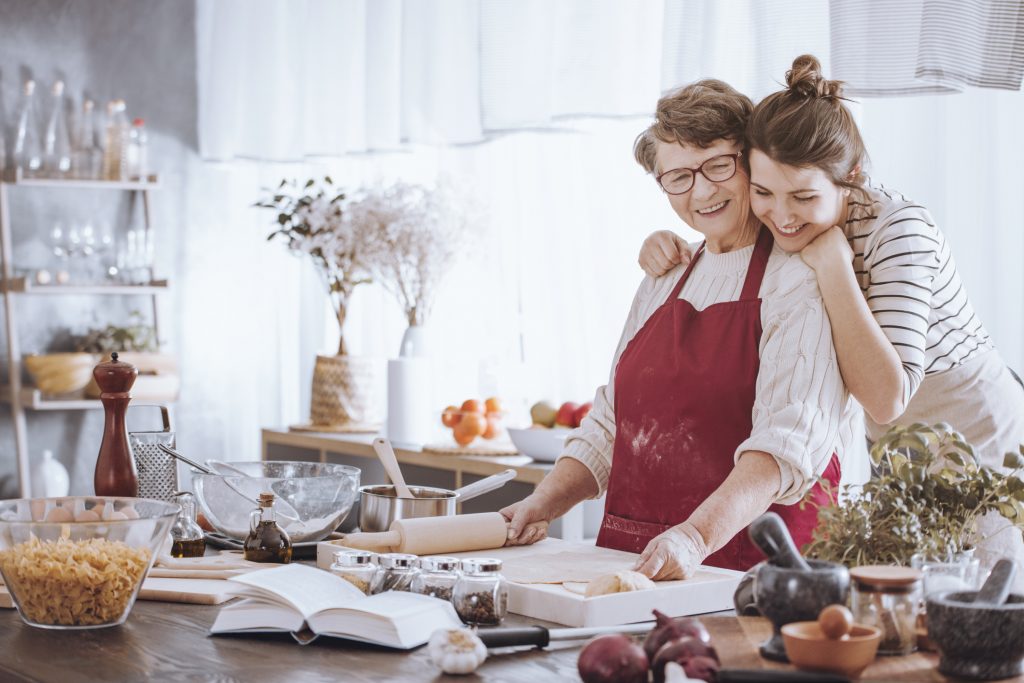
725,398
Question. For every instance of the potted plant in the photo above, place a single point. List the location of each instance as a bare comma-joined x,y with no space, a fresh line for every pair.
927,498
312,221
135,343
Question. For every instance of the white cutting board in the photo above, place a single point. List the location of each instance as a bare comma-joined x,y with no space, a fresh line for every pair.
192,591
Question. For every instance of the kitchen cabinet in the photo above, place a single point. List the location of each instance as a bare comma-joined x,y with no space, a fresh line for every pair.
23,399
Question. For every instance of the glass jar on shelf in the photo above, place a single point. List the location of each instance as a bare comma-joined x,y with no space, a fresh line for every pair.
889,598
437,577
480,595
397,570
357,567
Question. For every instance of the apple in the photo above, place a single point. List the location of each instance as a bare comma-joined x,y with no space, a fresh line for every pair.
543,413
580,413
564,418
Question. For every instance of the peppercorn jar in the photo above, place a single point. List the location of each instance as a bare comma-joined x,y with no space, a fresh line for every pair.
397,570
888,598
357,567
437,577
480,595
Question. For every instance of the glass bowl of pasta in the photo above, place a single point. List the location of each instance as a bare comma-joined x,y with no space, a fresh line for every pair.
78,562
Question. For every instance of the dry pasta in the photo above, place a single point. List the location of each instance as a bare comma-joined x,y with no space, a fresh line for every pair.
73,583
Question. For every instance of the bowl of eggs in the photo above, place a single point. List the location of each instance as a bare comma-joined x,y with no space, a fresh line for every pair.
78,562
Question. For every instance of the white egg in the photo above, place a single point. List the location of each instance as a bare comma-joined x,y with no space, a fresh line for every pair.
60,515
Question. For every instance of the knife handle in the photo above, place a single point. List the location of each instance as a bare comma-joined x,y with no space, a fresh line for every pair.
777,676
512,637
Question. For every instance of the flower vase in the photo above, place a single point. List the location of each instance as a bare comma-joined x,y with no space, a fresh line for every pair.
345,392
411,415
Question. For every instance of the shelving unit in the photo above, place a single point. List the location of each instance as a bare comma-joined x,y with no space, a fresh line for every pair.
20,398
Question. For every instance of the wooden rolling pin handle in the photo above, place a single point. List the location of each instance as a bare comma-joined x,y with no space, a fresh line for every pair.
458,533
383,540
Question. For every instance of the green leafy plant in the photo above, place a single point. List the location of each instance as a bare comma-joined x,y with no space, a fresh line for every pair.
136,336
927,498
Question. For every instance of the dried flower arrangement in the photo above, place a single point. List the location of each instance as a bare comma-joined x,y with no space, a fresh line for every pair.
927,498
312,219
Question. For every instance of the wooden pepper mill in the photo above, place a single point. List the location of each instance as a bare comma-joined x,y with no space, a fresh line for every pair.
115,466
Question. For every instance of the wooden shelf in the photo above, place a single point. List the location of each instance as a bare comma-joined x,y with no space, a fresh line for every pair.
13,177
22,285
33,399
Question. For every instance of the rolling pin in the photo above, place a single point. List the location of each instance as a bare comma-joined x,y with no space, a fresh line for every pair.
434,535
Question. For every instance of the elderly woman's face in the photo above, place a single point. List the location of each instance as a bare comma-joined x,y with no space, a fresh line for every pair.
718,210
797,204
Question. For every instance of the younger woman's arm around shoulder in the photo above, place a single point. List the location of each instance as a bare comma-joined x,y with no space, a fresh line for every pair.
881,371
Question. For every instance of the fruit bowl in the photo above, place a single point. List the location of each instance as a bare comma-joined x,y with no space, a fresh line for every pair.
78,562
540,443
321,495
475,419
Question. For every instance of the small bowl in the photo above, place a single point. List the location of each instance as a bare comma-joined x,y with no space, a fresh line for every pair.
540,443
808,648
321,493
67,574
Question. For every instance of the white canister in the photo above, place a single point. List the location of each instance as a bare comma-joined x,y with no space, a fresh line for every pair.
49,477
411,416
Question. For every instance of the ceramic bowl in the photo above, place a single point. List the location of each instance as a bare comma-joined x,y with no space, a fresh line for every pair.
321,494
978,642
78,562
808,648
540,443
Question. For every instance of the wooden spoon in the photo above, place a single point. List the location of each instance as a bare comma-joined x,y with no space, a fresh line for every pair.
382,447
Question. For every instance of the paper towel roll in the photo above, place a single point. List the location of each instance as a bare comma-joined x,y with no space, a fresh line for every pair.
411,416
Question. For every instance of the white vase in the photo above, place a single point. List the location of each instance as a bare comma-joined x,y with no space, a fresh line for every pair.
49,478
411,413
416,343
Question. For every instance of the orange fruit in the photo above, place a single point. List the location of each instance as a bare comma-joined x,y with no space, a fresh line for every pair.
493,405
450,417
493,427
474,424
472,406
463,439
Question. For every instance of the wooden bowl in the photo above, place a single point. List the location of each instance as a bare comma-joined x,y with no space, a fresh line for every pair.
808,648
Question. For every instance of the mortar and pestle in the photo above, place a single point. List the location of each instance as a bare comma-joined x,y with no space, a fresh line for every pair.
833,643
980,634
788,587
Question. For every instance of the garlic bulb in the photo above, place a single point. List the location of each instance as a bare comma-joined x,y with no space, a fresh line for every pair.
456,650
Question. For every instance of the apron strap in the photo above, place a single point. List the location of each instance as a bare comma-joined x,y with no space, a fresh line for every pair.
686,274
758,264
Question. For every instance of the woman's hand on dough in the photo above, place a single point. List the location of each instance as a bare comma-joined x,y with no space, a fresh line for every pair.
528,520
674,554
662,251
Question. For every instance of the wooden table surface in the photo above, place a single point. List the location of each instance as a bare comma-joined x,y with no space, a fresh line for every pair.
169,642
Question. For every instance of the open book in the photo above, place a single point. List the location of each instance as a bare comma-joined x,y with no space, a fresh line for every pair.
310,602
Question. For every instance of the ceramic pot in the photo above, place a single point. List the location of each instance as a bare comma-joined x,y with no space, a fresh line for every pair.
345,391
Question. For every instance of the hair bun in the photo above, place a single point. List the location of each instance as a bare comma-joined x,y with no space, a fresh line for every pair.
805,79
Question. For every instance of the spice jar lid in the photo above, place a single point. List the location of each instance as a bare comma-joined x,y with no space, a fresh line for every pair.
397,560
886,576
472,565
353,558
437,563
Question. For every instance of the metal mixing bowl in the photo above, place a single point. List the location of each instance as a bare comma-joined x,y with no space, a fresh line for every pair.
321,495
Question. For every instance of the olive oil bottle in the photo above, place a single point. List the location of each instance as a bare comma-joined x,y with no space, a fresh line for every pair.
266,542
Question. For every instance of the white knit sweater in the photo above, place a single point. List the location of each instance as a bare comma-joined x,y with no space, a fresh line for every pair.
802,412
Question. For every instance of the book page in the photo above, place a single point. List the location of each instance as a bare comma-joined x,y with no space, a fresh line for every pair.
256,615
306,589
395,618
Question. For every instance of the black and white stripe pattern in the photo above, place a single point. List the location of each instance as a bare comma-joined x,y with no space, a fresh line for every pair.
882,48
908,276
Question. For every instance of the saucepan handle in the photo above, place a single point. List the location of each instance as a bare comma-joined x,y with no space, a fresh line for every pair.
478,488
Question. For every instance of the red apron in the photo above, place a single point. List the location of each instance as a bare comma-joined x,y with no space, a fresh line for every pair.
684,397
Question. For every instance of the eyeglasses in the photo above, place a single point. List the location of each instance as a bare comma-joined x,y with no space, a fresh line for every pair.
716,169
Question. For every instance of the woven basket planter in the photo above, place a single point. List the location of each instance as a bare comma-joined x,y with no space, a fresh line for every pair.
346,391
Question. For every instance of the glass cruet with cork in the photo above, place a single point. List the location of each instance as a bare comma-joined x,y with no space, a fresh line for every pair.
187,538
266,542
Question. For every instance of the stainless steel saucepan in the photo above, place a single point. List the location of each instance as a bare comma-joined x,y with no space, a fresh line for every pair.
379,505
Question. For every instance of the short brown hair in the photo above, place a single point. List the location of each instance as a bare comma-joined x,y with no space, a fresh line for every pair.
807,125
697,114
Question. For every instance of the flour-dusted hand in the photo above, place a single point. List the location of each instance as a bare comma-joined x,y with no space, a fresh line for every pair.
674,554
829,250
662,251
528,520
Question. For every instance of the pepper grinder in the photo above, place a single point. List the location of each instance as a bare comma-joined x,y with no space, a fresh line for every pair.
115,466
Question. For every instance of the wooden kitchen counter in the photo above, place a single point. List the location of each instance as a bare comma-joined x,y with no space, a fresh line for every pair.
165,641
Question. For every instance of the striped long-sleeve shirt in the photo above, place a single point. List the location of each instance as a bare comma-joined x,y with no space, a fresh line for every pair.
907,273
802,412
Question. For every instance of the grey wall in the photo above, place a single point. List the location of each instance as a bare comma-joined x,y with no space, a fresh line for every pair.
142,51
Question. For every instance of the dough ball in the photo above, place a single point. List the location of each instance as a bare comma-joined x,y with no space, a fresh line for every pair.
619,582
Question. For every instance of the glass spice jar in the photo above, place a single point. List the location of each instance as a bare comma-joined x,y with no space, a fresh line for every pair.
357,567
480,595
397,570
889,598
437,577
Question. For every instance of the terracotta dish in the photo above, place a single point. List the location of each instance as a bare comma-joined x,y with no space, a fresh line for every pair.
808,647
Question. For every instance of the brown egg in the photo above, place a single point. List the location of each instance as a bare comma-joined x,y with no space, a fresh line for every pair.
87,516
835,621
60,515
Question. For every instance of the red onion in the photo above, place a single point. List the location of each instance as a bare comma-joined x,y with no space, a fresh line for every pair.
672,629
613,659
684,651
